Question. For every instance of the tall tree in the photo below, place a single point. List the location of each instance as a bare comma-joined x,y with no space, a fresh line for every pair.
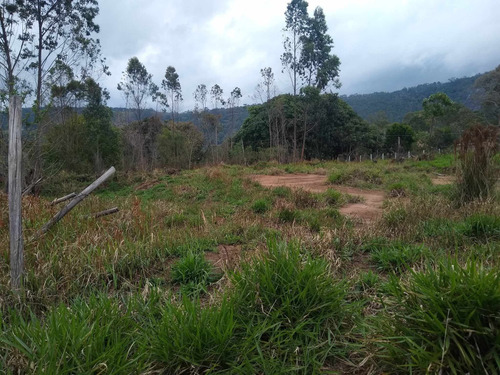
200,97
489,95
296,21
38,33
233,102
434,107
318,67
137,85
216,93
172,85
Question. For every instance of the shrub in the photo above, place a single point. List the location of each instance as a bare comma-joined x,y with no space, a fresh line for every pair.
477,172
443,320
282,191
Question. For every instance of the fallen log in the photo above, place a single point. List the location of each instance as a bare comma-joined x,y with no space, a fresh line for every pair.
31,186
62,199
81,196
104,213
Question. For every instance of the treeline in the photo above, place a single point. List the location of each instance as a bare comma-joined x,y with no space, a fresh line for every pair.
395,105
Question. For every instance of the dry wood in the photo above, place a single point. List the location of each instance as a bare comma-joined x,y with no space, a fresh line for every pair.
104,213
15,216
81,196
62,199
31,186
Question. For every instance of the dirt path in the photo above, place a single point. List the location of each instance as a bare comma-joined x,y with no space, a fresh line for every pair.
367,211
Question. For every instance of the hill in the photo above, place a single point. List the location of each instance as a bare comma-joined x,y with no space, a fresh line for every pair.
398,103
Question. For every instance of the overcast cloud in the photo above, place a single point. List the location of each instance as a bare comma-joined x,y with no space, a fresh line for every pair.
383,45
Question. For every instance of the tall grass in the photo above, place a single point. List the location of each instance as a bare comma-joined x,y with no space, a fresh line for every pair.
477,171
442,320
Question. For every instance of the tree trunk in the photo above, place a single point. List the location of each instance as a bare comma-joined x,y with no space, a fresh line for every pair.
15,214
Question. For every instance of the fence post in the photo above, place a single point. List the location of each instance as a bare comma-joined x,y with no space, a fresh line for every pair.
15,191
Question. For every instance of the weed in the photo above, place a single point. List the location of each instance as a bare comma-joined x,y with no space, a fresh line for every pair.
443,320
481,227
191,268
261,206
332,197
282,192
397,256
287,216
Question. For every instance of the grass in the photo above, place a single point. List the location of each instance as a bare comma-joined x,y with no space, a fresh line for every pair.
306,290
442,320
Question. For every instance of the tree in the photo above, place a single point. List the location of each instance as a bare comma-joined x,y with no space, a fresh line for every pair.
216,92
233,102
200,97
489,95
434,107
172,85
37,34
317,66
137,84
296,20
187,138
399,137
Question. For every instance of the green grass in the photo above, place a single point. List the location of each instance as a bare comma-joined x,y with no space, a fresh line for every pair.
442,320
132,293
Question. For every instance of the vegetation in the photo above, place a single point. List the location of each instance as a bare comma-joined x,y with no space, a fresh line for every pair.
206,271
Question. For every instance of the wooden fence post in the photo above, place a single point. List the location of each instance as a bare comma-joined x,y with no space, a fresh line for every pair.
15,191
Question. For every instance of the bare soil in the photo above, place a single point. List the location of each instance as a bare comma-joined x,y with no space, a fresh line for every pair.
443,180
368,211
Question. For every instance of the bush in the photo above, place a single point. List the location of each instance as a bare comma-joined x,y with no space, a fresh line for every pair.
477,172
443,320
287,216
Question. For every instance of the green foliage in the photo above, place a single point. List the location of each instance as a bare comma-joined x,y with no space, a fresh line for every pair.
333,197
481,227
288,216
402,132
397,256
297,305
190,336
442,320
192,268
88,337
261,206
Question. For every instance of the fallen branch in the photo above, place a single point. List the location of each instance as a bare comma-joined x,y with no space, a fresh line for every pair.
31,186
62,199
73,203
104,213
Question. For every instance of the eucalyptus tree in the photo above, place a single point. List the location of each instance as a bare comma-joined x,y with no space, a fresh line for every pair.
172,86
200,97
318,67
296,22
137,85
37,34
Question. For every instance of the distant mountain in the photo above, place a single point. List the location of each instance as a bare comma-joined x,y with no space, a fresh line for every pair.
398,103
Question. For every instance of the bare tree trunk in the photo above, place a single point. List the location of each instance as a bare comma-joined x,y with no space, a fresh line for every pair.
74,202
15,214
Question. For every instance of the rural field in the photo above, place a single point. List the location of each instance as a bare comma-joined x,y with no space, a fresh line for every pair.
308,268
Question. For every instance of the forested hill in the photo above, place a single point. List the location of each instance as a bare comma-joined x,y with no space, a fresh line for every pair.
398,103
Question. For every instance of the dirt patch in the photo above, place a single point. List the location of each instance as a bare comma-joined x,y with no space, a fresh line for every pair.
367,211
443,180
226,257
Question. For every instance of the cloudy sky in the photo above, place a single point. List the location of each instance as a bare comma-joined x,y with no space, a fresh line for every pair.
383,45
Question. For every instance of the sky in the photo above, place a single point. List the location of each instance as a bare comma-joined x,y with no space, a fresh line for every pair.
383,45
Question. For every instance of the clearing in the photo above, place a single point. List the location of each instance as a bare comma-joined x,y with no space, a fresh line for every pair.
367,211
